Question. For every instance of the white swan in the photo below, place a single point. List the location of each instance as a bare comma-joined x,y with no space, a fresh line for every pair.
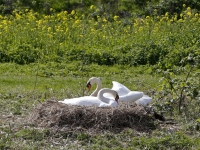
99,101
124,93
144,100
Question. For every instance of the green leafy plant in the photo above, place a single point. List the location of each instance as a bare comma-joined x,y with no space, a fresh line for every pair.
180,93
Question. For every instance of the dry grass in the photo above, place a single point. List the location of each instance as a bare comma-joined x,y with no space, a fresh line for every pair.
61,117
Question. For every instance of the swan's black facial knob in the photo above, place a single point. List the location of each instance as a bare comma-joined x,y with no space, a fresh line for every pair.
88,86
117,98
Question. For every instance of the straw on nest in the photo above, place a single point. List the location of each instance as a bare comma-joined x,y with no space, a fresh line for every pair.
54,114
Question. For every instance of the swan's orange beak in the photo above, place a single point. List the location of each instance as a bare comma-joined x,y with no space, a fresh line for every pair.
117,98
88,86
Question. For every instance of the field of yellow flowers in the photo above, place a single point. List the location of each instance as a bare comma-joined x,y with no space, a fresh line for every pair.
28,37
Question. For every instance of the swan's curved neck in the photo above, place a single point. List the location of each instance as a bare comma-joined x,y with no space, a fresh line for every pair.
102,98
99,86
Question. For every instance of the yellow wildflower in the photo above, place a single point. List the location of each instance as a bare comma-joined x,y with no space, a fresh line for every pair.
125,30
104,20
99,18
73,12
92,30
135,24
96,24
189,13
92,7
175,18
4,22
77,22
116,18
155,29
140,28
184,5
188,8
18,16
142,20
180,20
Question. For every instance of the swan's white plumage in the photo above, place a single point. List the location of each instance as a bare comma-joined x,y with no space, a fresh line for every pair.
132,96
99,101
144,100
125,94
82,101
120,88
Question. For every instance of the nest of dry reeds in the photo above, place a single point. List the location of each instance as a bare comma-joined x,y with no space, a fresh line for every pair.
52,114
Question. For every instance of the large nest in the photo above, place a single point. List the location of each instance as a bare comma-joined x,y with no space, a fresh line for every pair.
52,114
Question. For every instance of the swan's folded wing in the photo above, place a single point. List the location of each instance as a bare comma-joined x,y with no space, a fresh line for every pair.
120,88
83,101
144,101
131,96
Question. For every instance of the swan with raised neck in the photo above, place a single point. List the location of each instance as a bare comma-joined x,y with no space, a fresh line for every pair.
92,81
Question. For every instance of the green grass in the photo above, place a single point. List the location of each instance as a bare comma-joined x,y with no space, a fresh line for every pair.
24,87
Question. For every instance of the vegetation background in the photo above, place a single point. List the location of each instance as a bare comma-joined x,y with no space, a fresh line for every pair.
49,49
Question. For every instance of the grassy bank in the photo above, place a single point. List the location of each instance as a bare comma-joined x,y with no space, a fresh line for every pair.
24,87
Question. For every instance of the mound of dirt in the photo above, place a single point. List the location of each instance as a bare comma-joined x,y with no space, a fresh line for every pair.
52,114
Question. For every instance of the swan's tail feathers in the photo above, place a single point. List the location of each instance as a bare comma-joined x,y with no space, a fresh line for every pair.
144,101
62,102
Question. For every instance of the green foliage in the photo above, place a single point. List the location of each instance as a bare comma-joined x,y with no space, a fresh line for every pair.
181,94
27,37
173,6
